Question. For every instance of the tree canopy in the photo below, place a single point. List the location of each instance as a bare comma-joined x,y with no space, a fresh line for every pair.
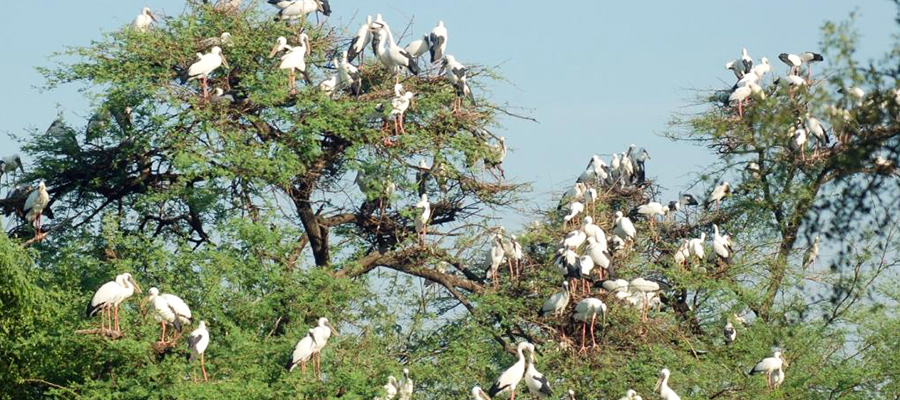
266,208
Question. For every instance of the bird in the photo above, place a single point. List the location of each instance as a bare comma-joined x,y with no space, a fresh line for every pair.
169,309
359,42
197,343
392,56
557,303
650,210
736,67
496,154
721,244
574,239
662,386
298,9
228,5
615,285
107,298
571,395
11,163
575,208
739,95
817,130
624,228
730,333
598,252
399,105
793,61
809,58
438,41
799,141
496,254
768,366
143,21
37,201
423,217
390,389
222,40
573,193
586,263
418,47
478,394
280,4
294,59
348,76
812,253
205,65
643,287
406,386
302,352
535,381
630,395
328,85
683,253
587,309
696,246
219,96
510,378
746,61
641,165
762,68
718,193
456,74
320,335
777,378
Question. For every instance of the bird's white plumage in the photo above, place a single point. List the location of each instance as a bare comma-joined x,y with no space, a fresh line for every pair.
198,340
624,228
36,202
206,64
143,21
557,302
511,377
438,41
696,246
662,385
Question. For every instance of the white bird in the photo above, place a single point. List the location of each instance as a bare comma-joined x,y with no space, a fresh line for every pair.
777,378
510,378
718,193
590,196
280,4
169,309
392,56
599,254
302,352
478,394
575,208
791,81
399,105
615,285
320,335
793,61
588,309
298,9
768,366
739,95
418,47
348,76
205,65
736,67
629,395
406,386
662,386
809,58
535,381
107,298
746,61
222,40
696,246
730,333
228,5
643,287
624,228
328,85
811,254
496,254
438,41
586,263
682,254
574,239
557,303
762,68
817,130
566,258
143,21
197,343
456,74
390,388
423,217
294,60
799,141
652,209
573,193
37,201
359,42
721,244
11,163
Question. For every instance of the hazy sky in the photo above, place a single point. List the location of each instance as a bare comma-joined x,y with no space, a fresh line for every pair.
598,75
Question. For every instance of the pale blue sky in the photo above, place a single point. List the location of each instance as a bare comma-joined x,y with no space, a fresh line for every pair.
598,75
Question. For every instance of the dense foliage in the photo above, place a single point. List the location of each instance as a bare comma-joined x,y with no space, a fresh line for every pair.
252,210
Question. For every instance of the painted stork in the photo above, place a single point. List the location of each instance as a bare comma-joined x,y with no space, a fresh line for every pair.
107,298
662,386
510,378
197,343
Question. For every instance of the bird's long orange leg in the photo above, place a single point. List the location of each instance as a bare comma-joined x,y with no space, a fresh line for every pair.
116,317
583,334
593,318
203,368
162,337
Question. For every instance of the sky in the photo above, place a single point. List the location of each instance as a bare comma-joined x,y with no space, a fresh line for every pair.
597,75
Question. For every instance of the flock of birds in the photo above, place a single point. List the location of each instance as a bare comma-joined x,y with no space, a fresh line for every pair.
582,252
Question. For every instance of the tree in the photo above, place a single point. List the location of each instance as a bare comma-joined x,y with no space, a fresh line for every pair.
269,209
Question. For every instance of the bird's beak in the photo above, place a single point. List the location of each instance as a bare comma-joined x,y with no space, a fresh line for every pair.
334,331
144,302
274,50
152,16
225,62
136,287
658,384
